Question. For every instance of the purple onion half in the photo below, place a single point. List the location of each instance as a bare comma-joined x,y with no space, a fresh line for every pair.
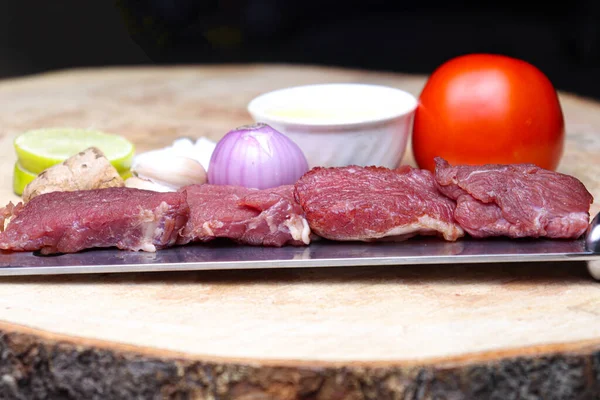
256,156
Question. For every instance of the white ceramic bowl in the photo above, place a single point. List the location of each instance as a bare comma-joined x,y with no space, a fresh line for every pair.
341,124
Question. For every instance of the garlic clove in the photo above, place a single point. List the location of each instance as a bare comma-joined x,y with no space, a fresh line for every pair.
146,184
170,170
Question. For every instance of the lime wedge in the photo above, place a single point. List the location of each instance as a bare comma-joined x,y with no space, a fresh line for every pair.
40,149
22,177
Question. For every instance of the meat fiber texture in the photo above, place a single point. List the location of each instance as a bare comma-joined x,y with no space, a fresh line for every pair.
370,203
67,222
268,217
518,200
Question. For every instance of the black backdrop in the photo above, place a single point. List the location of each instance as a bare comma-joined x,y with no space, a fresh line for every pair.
562,39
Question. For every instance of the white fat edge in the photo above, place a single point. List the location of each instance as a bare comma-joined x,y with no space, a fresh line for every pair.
273,227
305,231
479,171
574,216
151,228
537,221
253,223
148,247
440,226
160,213
424,222
299,234
206,229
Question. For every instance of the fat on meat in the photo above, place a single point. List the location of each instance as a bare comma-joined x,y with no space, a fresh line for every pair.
68,222
515,200
267,217
369,203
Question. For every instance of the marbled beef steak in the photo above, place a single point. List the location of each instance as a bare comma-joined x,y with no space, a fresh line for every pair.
67,222
268,217
517,200
369,203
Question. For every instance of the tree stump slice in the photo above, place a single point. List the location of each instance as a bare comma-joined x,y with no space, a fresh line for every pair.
486,331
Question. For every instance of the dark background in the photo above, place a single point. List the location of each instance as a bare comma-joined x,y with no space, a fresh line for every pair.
561,39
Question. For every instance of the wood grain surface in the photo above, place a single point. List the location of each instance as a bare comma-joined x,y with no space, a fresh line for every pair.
462,331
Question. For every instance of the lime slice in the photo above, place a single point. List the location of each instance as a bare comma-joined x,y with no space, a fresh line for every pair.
126,175
22,177
40,149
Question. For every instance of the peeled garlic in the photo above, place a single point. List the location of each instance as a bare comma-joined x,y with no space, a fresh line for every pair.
169,170
146,184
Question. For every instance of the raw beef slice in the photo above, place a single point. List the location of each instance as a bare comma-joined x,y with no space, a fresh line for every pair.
268,217
67,222
369,203
518,200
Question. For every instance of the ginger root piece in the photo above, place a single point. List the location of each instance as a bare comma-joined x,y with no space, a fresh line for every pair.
86,170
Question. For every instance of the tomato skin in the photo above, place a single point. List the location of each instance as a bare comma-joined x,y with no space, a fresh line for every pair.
484,108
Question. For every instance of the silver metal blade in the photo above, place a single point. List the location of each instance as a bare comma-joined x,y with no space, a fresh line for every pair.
318,254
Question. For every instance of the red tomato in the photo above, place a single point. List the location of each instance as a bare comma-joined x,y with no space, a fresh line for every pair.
484,108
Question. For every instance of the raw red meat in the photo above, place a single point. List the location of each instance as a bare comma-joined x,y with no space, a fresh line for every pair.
369,203
269,217
518,200
67,222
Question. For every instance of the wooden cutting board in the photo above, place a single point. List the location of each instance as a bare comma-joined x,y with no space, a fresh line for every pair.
419,332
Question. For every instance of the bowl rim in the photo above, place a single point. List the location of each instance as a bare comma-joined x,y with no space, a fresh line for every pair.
257,110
